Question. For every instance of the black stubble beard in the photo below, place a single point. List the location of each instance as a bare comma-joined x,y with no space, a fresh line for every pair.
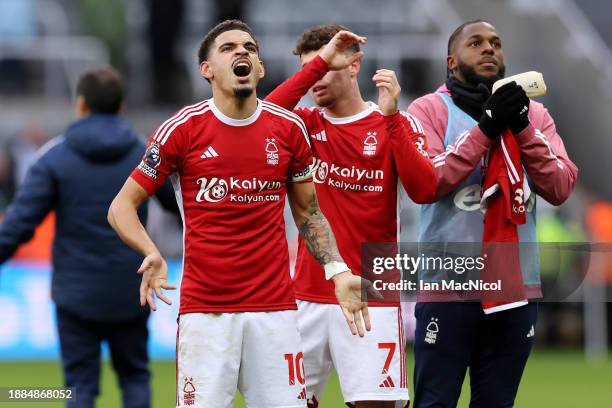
243,93
472,78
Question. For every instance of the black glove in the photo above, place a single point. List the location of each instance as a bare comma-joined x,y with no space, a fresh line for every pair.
505,108
467,97
519,111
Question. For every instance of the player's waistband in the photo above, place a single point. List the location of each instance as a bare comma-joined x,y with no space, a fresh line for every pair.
237,308
334,301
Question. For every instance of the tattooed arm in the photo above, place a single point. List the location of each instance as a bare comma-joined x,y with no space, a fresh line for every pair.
319,239
317,234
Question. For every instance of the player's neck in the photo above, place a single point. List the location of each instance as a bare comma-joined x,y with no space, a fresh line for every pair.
235,107
349,104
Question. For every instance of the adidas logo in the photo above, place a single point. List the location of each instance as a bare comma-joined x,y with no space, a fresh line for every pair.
388,383
302,395
209,153
320,136
312,403
531,332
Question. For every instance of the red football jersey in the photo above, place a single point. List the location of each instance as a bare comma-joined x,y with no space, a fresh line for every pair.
357,188
230,180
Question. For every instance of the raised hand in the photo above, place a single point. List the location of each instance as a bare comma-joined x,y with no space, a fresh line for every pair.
336,52
388,91
508,106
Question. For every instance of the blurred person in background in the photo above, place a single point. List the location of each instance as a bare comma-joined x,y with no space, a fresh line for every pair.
23,149
464,123
94,283
17,156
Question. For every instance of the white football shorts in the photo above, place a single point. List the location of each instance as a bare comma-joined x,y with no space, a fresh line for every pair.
370,368
258,353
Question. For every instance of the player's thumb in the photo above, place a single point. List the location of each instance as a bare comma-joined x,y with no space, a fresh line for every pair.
146,264
166,285
370,289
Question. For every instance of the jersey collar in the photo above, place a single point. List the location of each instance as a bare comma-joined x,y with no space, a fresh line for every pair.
231,121
354,118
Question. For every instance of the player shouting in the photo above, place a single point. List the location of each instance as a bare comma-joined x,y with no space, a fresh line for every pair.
360,149
232,159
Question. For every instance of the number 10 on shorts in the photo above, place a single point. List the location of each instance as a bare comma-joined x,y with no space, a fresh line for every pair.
296,368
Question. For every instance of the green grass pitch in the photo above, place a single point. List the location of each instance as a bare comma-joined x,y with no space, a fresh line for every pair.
552,379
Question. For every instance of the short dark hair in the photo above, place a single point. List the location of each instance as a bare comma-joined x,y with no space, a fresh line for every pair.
219,29
314,38
459,30
102,89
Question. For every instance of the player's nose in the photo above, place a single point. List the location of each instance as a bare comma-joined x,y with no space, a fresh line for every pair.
488,48
240,50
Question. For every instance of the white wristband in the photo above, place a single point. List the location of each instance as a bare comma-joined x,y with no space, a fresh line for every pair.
334,268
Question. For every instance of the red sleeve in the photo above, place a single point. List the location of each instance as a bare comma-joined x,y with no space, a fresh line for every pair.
546,161
289,93
454,163
162,158
300,167
409,149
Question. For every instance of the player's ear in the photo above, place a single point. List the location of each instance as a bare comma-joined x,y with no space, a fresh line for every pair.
206,70
80,107
262,69
355,67
451,63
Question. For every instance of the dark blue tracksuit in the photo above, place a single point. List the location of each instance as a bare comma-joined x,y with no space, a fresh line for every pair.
450,337
95,285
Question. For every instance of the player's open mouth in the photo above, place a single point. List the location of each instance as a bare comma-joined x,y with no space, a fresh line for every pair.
318,89
242,69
